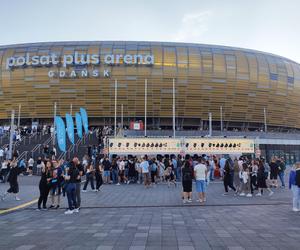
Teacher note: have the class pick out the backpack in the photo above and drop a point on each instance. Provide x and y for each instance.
(298, 178)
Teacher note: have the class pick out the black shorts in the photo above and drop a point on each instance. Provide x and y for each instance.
(273, 176)
(187, 186)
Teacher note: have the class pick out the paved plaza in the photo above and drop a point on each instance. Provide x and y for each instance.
(135, 218)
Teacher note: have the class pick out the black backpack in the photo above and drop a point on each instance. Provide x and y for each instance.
(298, 178)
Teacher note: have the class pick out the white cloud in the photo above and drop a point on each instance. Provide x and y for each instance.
(192, 27)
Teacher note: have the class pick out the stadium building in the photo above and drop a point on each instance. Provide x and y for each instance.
(251, 88)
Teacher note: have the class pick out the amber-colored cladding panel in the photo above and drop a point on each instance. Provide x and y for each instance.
(242, 81)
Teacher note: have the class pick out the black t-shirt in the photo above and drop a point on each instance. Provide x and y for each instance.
(73, 173)
(80, 168)
(274, 168)
(106, 165)
(187, 174)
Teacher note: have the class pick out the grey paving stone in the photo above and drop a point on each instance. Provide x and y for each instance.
(25, 247)
(105, 247)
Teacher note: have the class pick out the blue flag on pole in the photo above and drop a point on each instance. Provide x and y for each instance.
(78, 124)
(61, 133)
(70, 127)
(84, 117)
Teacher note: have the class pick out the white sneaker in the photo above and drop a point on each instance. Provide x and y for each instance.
(128, 182)
(190, 200)
(94, 190)
(69, 211)
(204, 199)
(271, 193)
(242, 194)
(76, 210)
(84, 191)
(17, 198)
(296, 209)
(118, 184)
(249, 195)
(258, 194)
(184, 201)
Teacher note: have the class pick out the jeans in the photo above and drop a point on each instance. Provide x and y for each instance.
(114, 174)
(71, 194)
(89, 178)
(77, 192)
(211, 173)
(178, 173)
(281, 177)
(296, 196)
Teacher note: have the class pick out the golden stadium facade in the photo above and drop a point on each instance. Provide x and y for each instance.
(83, 74)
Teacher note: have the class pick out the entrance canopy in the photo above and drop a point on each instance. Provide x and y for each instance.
(153, 146)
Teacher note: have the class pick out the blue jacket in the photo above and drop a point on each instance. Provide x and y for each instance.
(292, 178)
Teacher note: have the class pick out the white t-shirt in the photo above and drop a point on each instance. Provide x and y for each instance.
(1, 152)
(145, 167)
(121, 165)
(200, 170)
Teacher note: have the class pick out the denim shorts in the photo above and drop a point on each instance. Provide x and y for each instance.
(106, 173)
(200, 186)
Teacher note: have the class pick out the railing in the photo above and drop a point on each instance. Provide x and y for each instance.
(23, 155)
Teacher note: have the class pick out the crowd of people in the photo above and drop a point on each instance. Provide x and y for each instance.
(245, 176)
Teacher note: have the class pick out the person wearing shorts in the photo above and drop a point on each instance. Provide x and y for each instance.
(274, 169)
(200, 172)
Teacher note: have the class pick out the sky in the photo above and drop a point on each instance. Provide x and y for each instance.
(265, 25)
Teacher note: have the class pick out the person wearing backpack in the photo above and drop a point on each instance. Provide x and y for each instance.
(153, 171)
(294, 185)
(187, 182)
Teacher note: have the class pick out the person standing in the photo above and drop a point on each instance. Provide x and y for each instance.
(114, 171)
(71, 177)
(236, 176)
(13, 181)
(274, 169)
(78, 181)
(200, 172)
(282, 167)
(187, 182)
(145, 170)
(4, 170)
(106, 167)
(294, 185)
(44, 185)
(261, 180)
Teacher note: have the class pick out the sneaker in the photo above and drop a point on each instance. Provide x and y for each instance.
(38, 209)
(200, 200)
(83, 191)
(258, 194)
(118, 184)
(296, 209)
(184, 201)
(52, 206)
(271, 193)
(190, 200)
(76, 210)
(249, 195)
(225, 194)
(204, 199)
(44, 209)
(128, 182)
(242, 194)
(94, 190)
(17, 198)
(69, 211)
(57, 207)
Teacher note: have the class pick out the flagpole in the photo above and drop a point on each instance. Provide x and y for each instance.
(145, 129)
(221, 112)
(174, 108)
(54, 127)
(265, 119)
(115, 129)
(210, 123)
(12, 130)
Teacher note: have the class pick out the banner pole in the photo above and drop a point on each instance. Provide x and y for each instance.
(174, 108)
(146, 89)
(116, 93)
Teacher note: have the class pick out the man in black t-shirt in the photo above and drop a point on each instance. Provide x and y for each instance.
(80, 169)
(71, 178)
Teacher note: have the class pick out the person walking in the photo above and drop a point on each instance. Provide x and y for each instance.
(236, 176)
(261, 180)
(44, 185)
(98, 175)
(13, 181)
(187, 182)
(294, 185)
(90, 172)
(227, 178)
(200, 172)
(274, 169)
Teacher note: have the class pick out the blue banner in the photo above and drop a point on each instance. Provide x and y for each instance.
(60, 133)
(70, 128)
(84, 117)
(78, 124)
